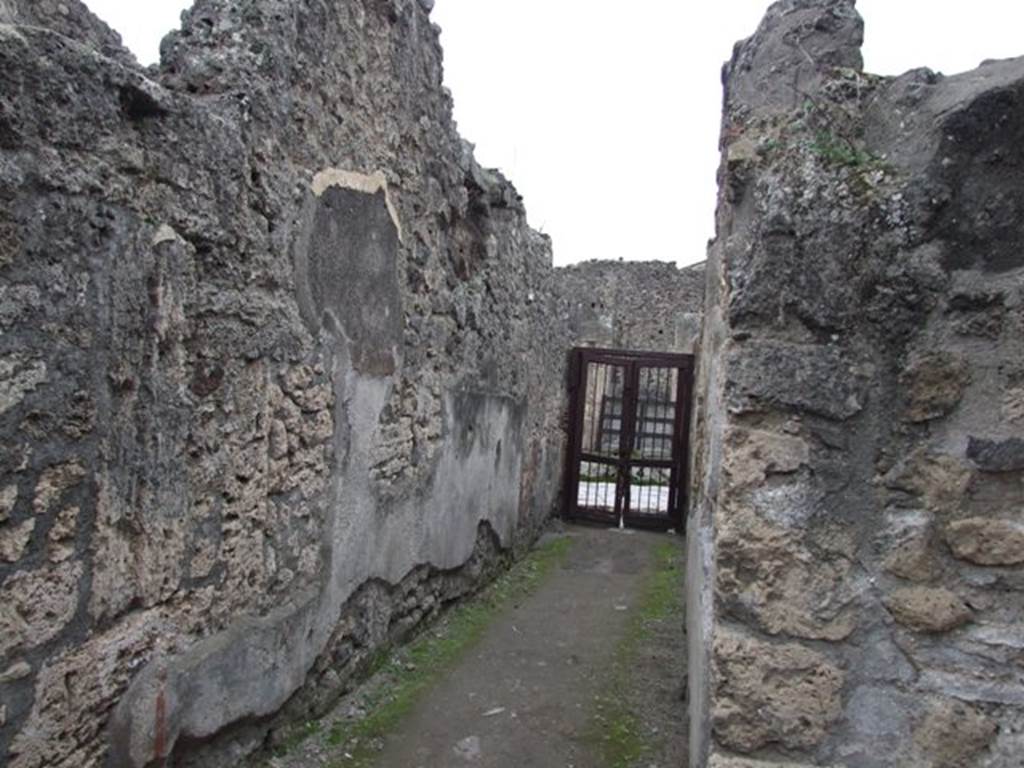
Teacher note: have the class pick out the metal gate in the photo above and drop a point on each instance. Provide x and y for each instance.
(629, 422)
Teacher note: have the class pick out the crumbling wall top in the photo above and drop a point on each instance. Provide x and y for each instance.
(790, 54)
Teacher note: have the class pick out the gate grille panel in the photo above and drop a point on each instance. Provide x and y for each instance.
(629, 414)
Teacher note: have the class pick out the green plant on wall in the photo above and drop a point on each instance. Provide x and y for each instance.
(837, 150)
(833, 141)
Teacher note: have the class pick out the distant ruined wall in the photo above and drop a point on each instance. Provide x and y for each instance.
(857, 541)
(281, 371)
(644, 305)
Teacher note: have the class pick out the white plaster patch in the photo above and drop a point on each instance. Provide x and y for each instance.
(905, 521)
(790, 505)
(360, 182)
(165, 234)
(9, 32)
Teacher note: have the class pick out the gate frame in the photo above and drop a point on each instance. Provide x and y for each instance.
(631, 361)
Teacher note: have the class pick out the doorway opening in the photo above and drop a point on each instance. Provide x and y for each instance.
(629, 422)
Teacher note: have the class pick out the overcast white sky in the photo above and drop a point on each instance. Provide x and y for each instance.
(605, 114)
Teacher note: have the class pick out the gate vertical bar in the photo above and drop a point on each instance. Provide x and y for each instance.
(680, 454)
(627, 437)
(577, 391)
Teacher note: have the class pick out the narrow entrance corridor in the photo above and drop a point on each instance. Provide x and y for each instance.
(585, 671)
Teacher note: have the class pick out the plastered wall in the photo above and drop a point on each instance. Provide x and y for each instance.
(280, 373)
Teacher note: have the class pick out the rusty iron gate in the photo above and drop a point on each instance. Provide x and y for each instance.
(629, 424)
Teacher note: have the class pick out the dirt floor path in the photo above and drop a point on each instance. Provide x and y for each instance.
(584, 670)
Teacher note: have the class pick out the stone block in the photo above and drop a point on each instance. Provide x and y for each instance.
(767, 573)
(764, 693)
(997, 455)
(927, 609)
(940, 481)
(910, 550)
(971, 684)
(816, 379)
(935, 384)
(952, 733)
(984, 541)
(755, 454)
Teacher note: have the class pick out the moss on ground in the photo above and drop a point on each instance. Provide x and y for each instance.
(615, 730)
(403, 675)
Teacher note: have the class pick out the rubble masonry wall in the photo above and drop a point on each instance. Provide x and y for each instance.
(856, 590)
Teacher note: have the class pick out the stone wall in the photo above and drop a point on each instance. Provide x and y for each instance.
(857, 543)
(280, 372)
(651, 306)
